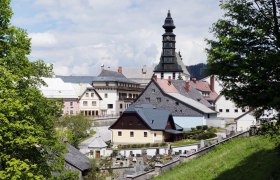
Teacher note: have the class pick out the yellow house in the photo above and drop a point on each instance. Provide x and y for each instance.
(143, 124)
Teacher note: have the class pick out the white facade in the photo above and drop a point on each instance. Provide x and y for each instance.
(245, 122)
(90, 103)
(227, 109)
(108, 105)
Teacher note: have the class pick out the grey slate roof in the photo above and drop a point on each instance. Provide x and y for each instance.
(193, 93)
(76, 158)
(192, 102)
(155, 118)
(97, 143)
(77, 79)
(112, 76)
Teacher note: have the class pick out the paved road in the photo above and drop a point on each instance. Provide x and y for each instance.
(102, 132)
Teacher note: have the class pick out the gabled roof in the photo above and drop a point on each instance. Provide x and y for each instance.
(204, 86)
(191, 102)
(193, 93)
(112, 76)
(154, 118)
(97, 143)
(76, 158)
(81, 89)
(56, 88)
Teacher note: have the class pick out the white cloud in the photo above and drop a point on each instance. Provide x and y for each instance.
(44, 39)
(79, 36)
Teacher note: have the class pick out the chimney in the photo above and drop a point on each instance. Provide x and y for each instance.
(187, 86)
(155, 77)
(212, 83)
(194, 80)
(169, 80)
(102, 67)
(120, 69)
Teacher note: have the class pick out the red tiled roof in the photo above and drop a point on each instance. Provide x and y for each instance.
(166, 87)
(204, 86)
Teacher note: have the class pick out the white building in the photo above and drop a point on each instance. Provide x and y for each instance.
(117, 92)
(245, 121)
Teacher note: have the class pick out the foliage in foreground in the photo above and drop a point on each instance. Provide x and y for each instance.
(73, 128)
(242, 158)
(246, 53)
(29, 148)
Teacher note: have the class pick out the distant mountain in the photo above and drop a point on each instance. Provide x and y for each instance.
(197, 71)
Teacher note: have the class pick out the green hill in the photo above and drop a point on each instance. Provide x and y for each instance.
(242, 158)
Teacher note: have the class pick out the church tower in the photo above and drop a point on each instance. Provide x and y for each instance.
(171, 64)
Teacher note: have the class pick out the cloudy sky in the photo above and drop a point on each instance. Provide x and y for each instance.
(78, 36)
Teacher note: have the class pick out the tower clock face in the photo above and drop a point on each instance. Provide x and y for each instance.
(168, 37)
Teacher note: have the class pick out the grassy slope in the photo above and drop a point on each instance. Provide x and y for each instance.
(242, 158)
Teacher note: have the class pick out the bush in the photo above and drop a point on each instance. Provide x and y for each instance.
(199, 127)
(206, 135)
(204, 127)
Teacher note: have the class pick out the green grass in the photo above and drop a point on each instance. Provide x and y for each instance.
(241, 158)
(184, 142)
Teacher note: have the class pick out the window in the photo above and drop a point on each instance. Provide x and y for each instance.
(208, 115)
(177, 103)
(93, 103)
(158, 99)
(161, 75)
(110, 106)
(153, 90)
(147, 99)
(86, 94)
(155, 134)
(119, 133)
(71, 103)
(121, 106)
(227, 98)
(71, 111)
(85, 103)
(236, 110)
(173, 76)
(107, 83)
(227, 110)
(131, 134)
(120, 113)
(145, 134)
(92, 94)
(220, 110)
(243, 110)
(106, 95)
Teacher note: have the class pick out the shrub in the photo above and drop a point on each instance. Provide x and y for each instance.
(205, 135)
(204, 127)
(199, 127)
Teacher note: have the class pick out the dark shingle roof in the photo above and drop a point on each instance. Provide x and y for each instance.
(155, 118)
(76, 158)
(112, 76)
(77, 79)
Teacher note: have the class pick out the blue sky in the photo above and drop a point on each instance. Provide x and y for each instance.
(78, 36)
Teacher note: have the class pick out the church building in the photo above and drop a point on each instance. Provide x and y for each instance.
(171, 65)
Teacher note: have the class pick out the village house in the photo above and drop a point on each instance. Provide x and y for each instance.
(141, 124)
(225, 107)
(89, 99)
(117, 92)
(57, 89)
(207, 90)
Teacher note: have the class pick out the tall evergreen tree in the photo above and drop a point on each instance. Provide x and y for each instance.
(246, 52)
(29, 148)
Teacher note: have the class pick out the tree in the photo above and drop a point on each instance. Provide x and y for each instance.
(29, 148)
(74, 128)
(246, 53)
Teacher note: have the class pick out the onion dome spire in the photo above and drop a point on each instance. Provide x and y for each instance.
(168, 23)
